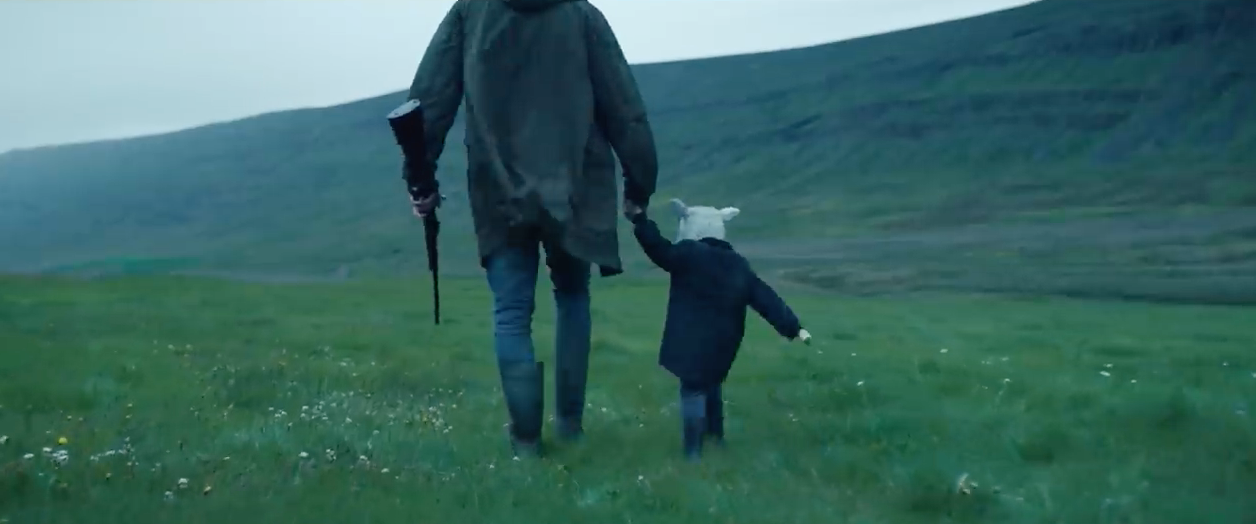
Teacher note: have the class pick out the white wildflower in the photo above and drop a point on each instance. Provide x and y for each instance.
(944, 350)
(964, 485)
(28, 456)
(183, 483)
(4, 439)
(303, 455)
(1105, 373)
(860, 383)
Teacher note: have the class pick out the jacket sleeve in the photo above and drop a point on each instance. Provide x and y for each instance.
(437, 83)
(620, 110)
(773, 309)
(666, 255)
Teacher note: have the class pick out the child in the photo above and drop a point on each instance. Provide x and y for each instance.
(711, 285)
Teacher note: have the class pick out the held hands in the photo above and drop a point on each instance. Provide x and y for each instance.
(804, 336)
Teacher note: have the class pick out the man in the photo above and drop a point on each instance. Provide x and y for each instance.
(548, 96)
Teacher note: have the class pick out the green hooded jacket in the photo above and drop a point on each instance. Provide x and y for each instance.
(550, 103)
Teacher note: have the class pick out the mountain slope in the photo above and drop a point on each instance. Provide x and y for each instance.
(1056, 110)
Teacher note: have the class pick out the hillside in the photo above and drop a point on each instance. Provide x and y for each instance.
(926, 146)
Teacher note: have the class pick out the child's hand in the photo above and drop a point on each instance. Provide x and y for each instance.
(804, 336)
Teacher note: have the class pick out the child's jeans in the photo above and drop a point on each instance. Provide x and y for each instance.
(702, 415)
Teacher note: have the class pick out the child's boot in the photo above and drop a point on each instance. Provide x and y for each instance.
(693, 415)
(715, 416)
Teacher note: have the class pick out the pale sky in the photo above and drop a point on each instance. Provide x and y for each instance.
(76, 70)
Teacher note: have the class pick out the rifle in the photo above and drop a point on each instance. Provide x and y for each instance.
(420, 177)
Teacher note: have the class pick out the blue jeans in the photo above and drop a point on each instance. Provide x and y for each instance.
(512, 275)
(706, 403)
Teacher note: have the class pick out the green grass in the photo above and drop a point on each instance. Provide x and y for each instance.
(1059, 411)
(1068, 147)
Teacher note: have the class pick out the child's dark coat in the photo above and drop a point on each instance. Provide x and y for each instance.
(711, 286)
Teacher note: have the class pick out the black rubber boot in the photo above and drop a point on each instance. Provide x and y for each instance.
(523, 384)
(570, 430)
(715, 416)
(570, 379)
(693, 416)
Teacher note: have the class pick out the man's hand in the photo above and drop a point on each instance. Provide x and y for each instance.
(631, 210)
(804, 336)
(426, 205)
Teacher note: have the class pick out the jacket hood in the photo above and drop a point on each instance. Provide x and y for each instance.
(534, 5)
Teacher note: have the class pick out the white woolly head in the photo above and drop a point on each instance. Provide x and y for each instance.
(699, 222)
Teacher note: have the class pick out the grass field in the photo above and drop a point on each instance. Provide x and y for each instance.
(1066, 148)
(342, 403)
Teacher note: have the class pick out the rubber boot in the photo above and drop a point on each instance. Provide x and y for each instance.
(569, 385)
(693, 416)
(523, 384)
(572, 344)
(715, 416)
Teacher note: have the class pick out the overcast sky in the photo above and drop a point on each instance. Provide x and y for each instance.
(75, 70)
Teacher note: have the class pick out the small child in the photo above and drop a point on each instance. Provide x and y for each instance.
(711, 286)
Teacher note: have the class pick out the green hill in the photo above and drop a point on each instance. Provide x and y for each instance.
(1067, 146)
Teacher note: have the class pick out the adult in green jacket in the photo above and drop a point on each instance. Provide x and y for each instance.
(550, 103)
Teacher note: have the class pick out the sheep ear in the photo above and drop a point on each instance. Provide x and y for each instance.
(729, 212)
(679, 207)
